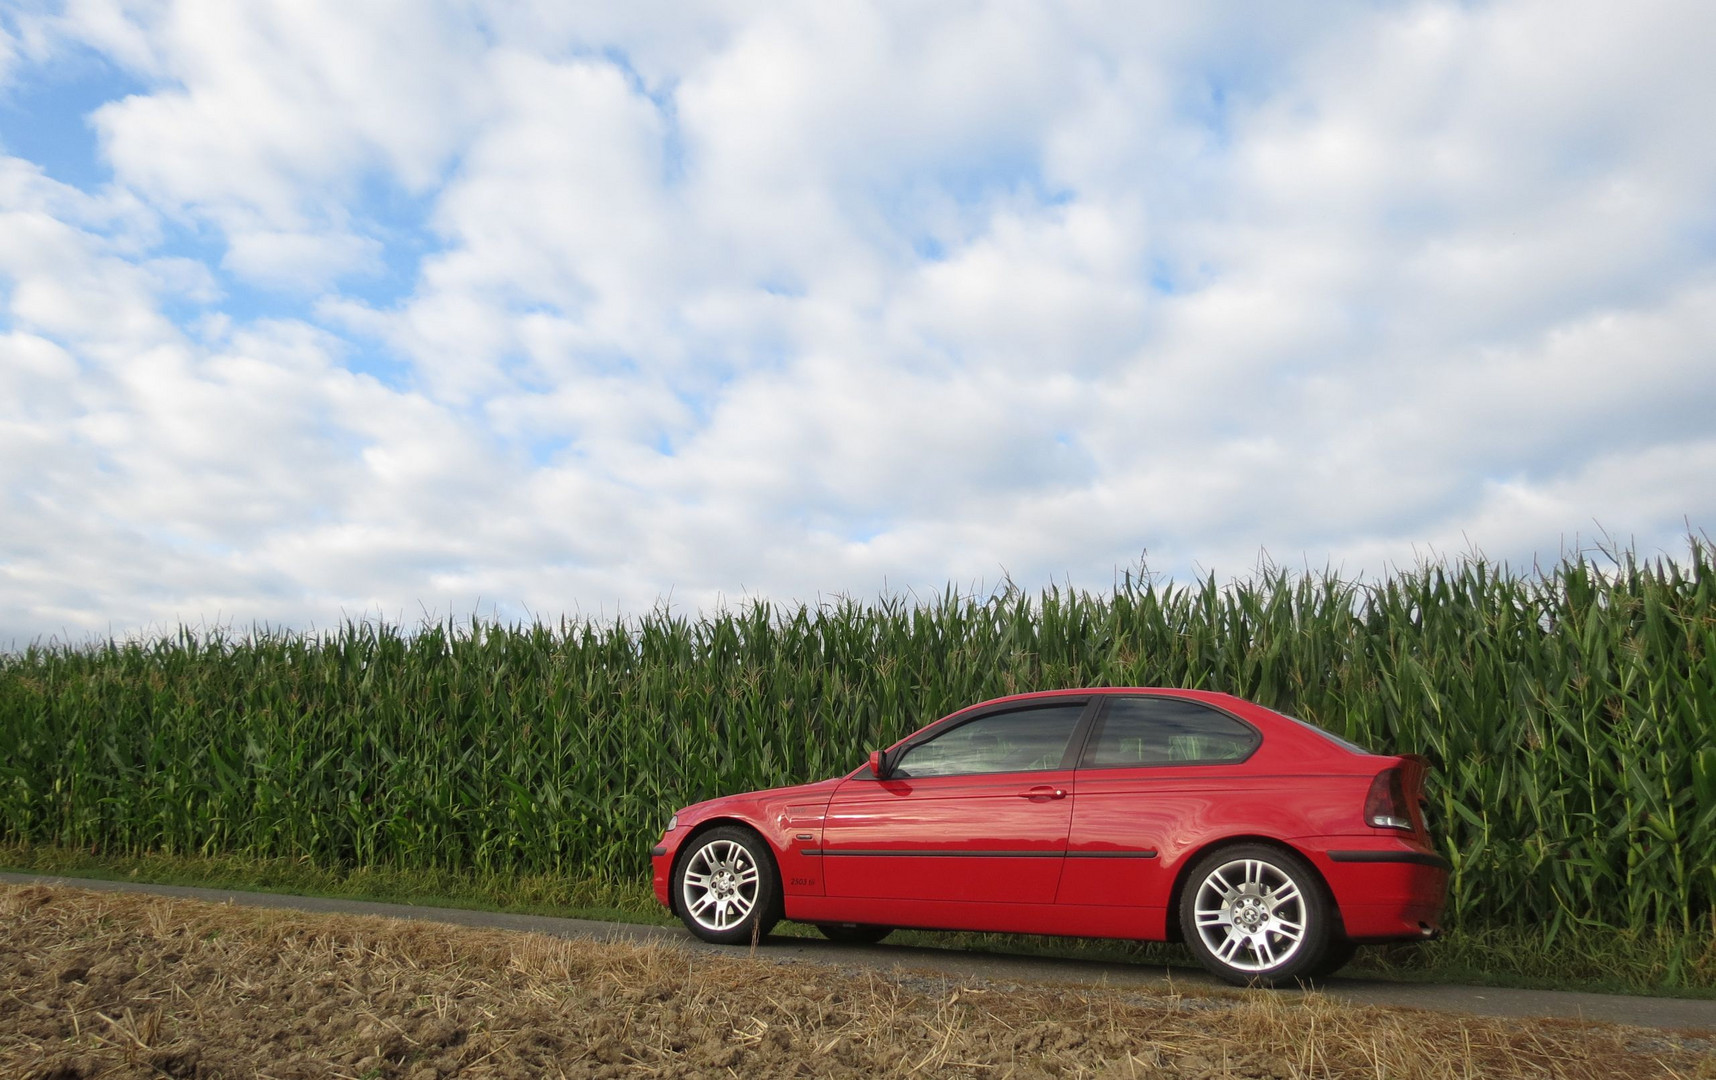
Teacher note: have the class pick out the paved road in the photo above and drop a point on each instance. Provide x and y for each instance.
(1672, 1013)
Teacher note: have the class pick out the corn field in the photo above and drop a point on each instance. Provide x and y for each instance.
(1568, 713)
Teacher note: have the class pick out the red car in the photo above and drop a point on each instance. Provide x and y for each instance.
(1269, 846)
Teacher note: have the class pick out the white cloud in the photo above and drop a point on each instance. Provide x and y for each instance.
(269, 117)
(8, 55)
(299, 260)
(791, 301)
(63, 283)
(557, 209)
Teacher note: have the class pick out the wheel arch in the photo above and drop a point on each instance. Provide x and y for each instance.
(686, 845)
(1192, 857)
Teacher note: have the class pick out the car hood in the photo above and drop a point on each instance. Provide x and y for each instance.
(819, 791)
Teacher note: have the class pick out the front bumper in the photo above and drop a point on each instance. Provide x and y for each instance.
(661, 864)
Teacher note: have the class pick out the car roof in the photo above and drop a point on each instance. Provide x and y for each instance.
(1306, 738)
(1087, 691)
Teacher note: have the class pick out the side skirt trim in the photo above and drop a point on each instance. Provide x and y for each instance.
(938, 853)
(1418, 858)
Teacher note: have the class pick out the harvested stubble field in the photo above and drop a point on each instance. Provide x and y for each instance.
(98, 984)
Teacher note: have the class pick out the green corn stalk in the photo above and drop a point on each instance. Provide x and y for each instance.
(1569, 714)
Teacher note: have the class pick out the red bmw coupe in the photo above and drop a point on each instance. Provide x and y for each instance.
(1270, 847)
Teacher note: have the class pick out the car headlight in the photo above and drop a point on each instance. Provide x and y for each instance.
(673, 823)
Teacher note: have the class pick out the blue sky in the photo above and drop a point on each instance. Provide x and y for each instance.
(311, 310)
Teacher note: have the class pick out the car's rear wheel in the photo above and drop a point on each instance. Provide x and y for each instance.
(851, 933)
(1255, 915)
(727, 888)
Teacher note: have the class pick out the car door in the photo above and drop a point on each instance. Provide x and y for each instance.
(1152, 770)
(973, 810)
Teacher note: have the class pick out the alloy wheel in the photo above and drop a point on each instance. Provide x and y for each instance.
(1250, 915)
(720, 884)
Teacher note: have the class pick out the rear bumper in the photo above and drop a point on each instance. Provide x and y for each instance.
(1386, 892)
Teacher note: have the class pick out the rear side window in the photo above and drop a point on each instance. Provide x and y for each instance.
(1329, 735)
(1167, 731)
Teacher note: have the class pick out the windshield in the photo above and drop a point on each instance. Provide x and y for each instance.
(1336, 739)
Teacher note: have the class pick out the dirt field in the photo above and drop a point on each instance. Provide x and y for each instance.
(101, 984)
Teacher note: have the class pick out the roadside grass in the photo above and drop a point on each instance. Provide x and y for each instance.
(1597, 960)
(125, 984)
(613, 900)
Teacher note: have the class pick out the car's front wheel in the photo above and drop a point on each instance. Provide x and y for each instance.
(727, 888)
(852, 933)
(1255, 915)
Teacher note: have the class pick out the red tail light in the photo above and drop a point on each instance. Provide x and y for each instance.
(1385, 807)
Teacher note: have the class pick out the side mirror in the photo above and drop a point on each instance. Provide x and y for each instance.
(877, 761)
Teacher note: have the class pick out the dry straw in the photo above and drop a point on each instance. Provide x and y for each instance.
(127, 985)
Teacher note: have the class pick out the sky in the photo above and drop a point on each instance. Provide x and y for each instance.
(314, 310)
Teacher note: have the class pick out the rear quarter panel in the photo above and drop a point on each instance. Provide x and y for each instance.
(1297, 789)
(1179, 812)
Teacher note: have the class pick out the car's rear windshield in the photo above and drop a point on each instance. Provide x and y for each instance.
(1336, 739)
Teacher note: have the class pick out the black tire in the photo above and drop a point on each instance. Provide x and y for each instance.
(715, 892)
(851, 933)
(1253, 899)
(1339, 954)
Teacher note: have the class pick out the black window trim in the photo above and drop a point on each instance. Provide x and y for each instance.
(1100, 720)
(1069, 757)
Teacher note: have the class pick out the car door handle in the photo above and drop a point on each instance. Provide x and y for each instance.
(1043, 791)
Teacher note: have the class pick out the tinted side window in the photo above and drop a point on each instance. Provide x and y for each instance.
(1167, 731)
(1025, 740)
